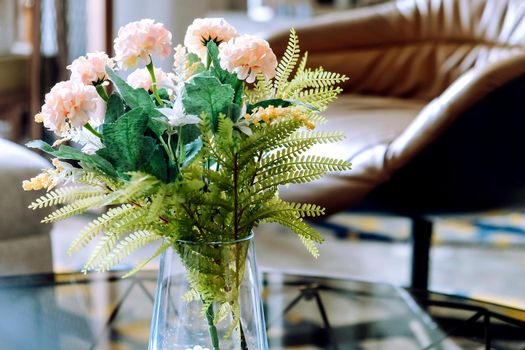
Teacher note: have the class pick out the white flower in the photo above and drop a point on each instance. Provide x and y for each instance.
(91, 144)
(141, 78)
(138, 40)
(177, 115)
(197, 347)
(71, 104)
(91, 68)
(247, 56)
(203, 30)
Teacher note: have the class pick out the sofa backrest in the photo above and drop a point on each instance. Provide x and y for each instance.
(413, 48)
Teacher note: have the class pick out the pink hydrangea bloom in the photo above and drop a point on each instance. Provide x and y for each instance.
(138, 40)
(247, 56)
(91, 68)
(71, 104)
(204, 29)
(141, 78)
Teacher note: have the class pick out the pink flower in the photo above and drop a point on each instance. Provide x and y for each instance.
(71, 104)
(203, 30)
(142, 79)
(247, 56)
(139, 40)
(91, 69)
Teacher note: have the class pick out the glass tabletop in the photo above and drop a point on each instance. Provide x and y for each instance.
(104, 311)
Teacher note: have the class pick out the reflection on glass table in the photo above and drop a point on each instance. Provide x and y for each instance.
(103, 311)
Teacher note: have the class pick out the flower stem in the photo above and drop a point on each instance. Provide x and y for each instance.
(168, 151)
(102, 92)
(154, 82)
(92, 130)
(211, 328)
(244, 345)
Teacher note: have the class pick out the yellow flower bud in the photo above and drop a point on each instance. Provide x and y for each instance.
(27, 185)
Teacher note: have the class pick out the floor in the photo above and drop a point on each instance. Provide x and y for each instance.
(479, 271)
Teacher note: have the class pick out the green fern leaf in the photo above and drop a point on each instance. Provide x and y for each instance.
(292, 177)
(157, 205)
(191, 295)
(168, 242)
(125, 247)
(98, 225)
(310, 246)
(265, 139)
(76, 208)
(262, 90)
(65, 195)
(288, 62)
(319, 97)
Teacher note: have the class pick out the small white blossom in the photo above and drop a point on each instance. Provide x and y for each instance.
(176, 115)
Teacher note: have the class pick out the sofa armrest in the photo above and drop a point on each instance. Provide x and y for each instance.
(457, 100)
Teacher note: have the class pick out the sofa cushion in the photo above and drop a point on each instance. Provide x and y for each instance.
(370, 124)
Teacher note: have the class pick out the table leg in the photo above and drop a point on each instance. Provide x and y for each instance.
(421, 242)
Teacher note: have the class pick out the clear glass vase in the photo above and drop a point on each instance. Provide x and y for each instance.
(208, 295)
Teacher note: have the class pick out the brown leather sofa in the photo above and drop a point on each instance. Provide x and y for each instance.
(434, 110)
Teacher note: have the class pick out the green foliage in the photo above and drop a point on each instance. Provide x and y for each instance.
(223, 75)
(122, 249)
(134, 98)
(207, 95)
(314, 89)
(65, 195)
(263, 90)
(99, 225)
(126, 146)
(114, 109)
(77, 207)
(288, 62)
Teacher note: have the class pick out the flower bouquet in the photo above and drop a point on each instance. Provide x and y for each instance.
(192, 158)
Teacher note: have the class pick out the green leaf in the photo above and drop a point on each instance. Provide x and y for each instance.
(233, 112)
(148, 148)
(192, 59)
(276, 102)
(157, 122)
(157, 165)
(192, 149)
(125, 142)
(41, 145)
(189, 133)
(163, 94)
(133, 97)
(223, 75)
(213, 54)
(144, 99)
(207, 95)
(115, 108)
(70, 153)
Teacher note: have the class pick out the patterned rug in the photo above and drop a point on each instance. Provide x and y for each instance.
(500, 229)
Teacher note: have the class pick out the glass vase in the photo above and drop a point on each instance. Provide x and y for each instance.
(208, 296)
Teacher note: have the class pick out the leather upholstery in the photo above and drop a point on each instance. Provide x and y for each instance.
(441, 59)
(427, 43)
